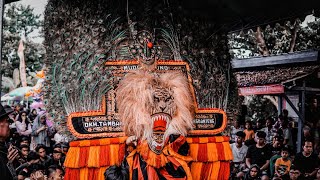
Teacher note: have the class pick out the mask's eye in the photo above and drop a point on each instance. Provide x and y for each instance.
(156, 98)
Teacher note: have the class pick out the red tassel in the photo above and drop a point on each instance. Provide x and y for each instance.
(72, 174)
(83, 160)
(224, 172)
(202, 153)
(220, 151)
(122, 151)
(104, 155)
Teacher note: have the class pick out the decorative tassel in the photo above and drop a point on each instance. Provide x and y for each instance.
(72, 159)
(94, 156)
(84, 153)
(212, 152)
(220, 151)
(114, 152)
(215, 170)
(84, 174)
(224, 172)
(202, 153)
(195, 170)
(104, 156)
(227, 151)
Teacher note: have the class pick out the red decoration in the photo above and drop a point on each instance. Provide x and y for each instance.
(150, 45)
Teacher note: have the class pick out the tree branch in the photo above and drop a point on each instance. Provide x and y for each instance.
(294, 35)
(262, 47)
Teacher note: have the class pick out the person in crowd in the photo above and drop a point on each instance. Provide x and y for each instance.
(65, 148)
(234, 129)
(294, 173)
(269, 130)
(55, 173)
(7, 155)
(22, 175)
(44, 158)
(56, 158)
(41, 131)
(249, 131)
(286, 133)
(259, 154)
(276, 152)
(23, 124)
(239, 151)
(253, 173)
(24, 141)
(33, 158)
(58, 136)
(33, 114)
(283, 164)
(24, 153)
(258, 125)
(307, 161)
(37, 172)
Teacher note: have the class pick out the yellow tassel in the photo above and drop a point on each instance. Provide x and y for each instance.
(212, 152)
(114, 151)
(101, 172)
(85, 143)
(94, 156)
(215, 170)
(227, 151)
(72, 159)
(84, 174)
(194, 151)
(196, 170)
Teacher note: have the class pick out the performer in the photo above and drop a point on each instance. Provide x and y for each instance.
(156, 113)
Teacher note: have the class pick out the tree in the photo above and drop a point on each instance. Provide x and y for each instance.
(20, 21)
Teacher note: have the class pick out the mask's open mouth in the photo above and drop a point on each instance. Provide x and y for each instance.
(160, 125)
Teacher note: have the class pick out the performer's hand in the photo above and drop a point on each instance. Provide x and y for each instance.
(132, 141)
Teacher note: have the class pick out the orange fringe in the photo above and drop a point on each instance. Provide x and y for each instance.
(210, 149)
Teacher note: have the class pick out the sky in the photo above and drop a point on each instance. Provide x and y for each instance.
(39, 7)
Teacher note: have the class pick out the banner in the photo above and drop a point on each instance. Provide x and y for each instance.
(22, 67)
(267, 89)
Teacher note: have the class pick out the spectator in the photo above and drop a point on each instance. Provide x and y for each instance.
(37, 172)
(24, 141)
(283, 164)
(259, 154)
(33, 114)
(239, 151)
(55, 173)
(294, 173)
(306, 161)
(269, 130)
(253, 173)
(24, 153)
(44, 158)
(286, 133)
(59, 138)
(22, 175)
(248, 131)
(7, 155)
(41, 131)
(258, 126)
(56, 158)
(23, 124)
(276, 152)
(33, 158)
(318, 174)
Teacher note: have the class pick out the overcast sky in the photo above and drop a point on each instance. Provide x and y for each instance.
(39, 7)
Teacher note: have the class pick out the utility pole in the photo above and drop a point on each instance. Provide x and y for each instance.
(2, 2)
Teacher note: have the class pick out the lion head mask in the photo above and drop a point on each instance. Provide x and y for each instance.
(152, 106)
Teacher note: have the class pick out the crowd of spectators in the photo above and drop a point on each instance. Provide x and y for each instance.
(34, 149)
(266, 149)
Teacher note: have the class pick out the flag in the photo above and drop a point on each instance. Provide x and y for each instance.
(22, 67)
